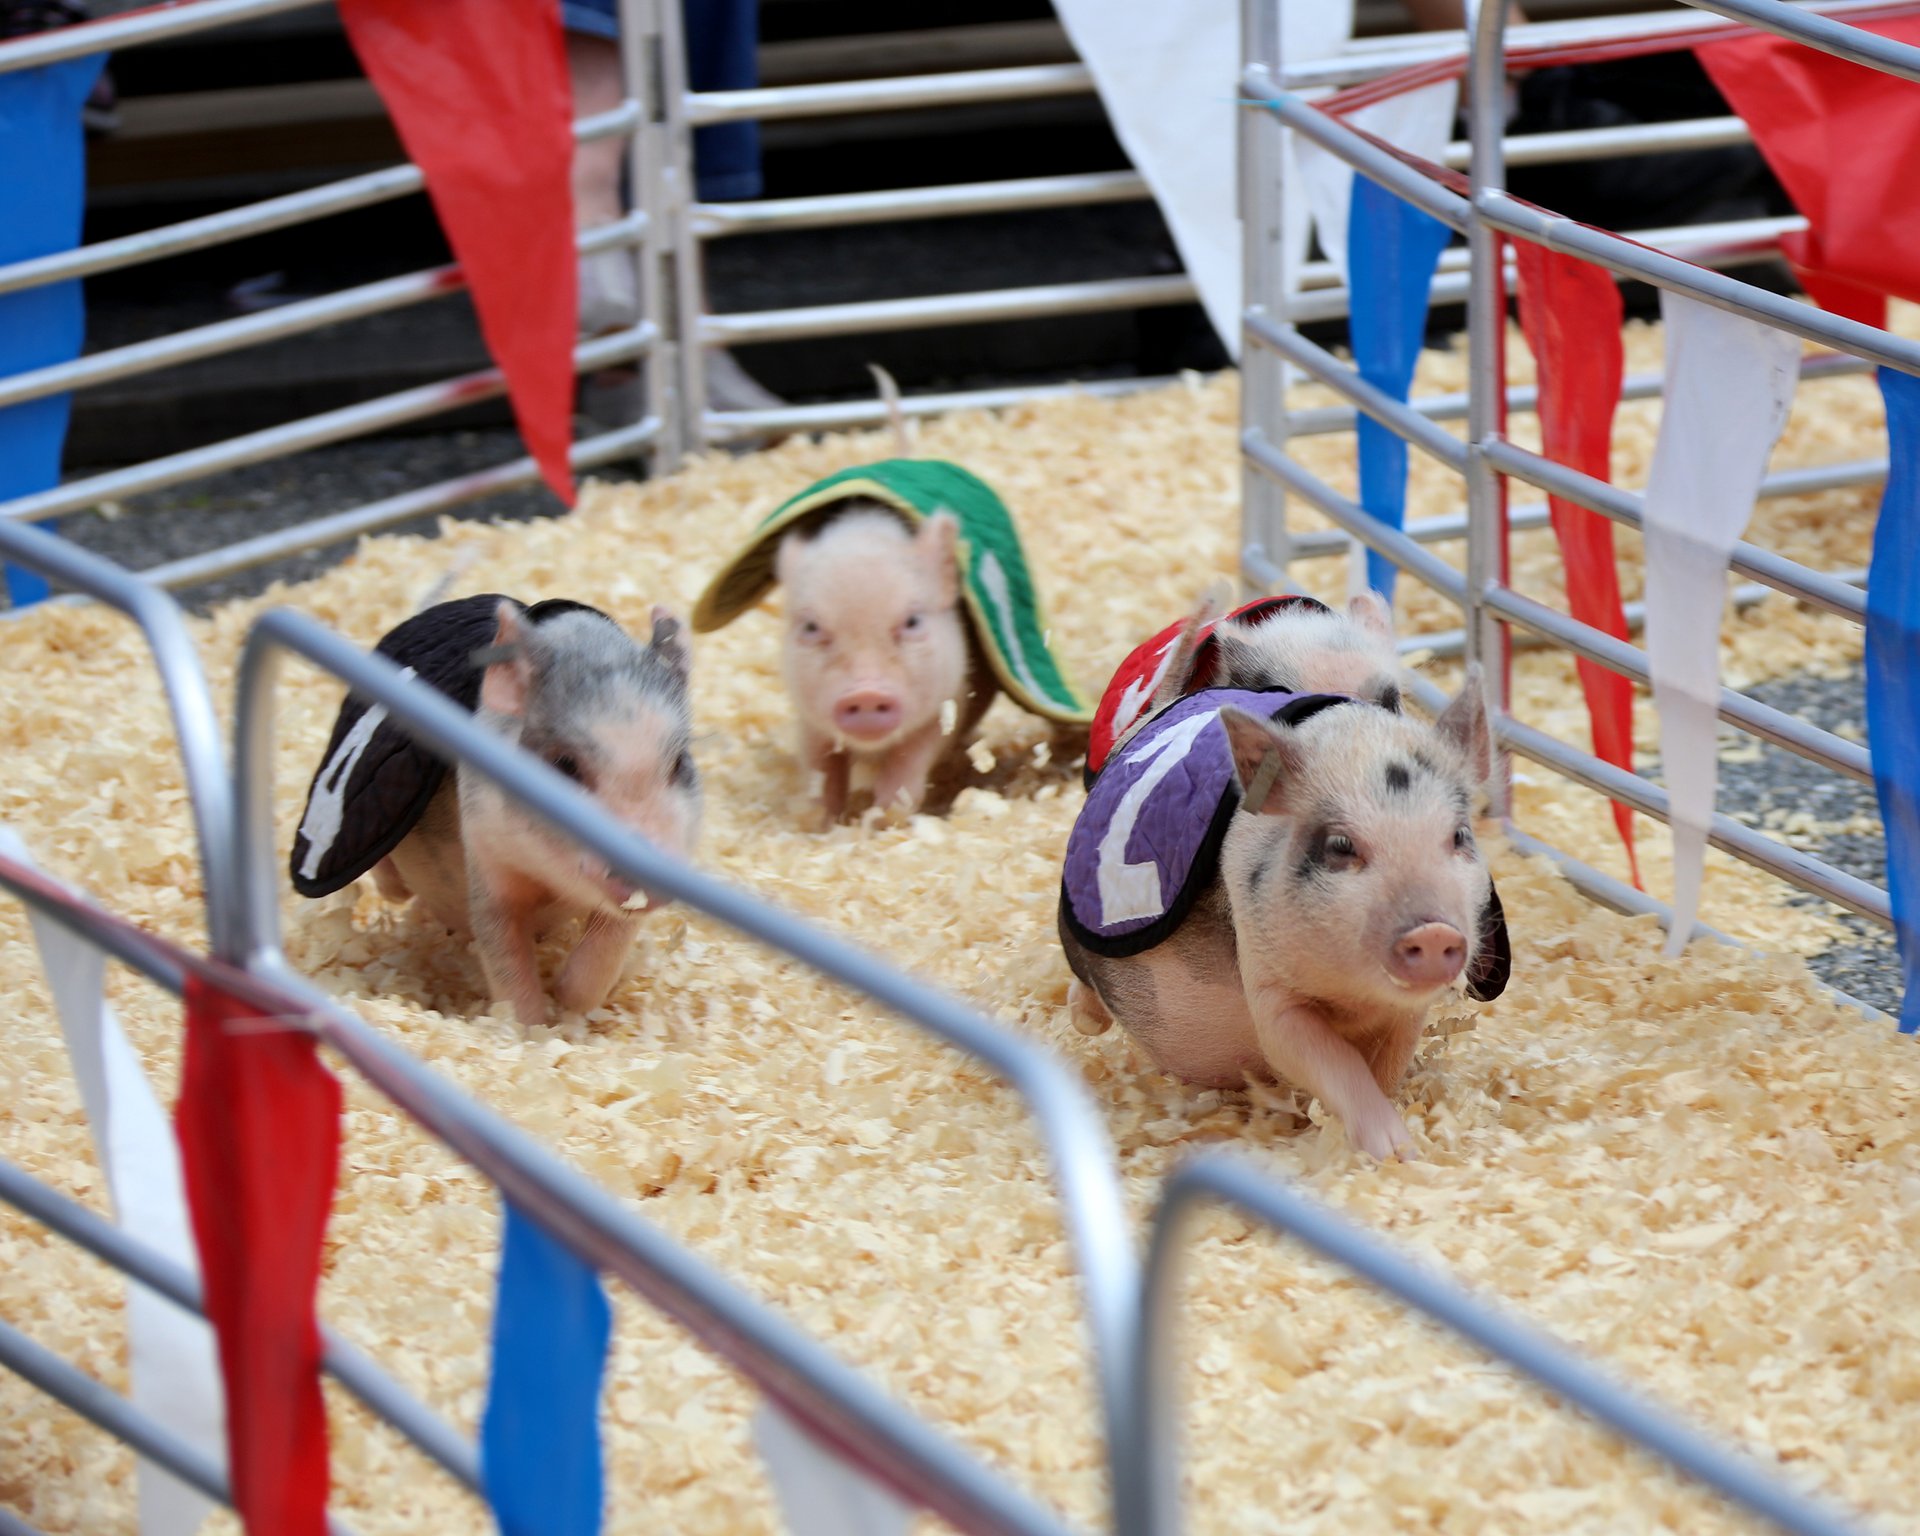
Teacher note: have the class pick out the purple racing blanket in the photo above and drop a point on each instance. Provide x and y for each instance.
(1147, 842)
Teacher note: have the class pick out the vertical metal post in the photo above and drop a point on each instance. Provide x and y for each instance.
(1487, 638)
(676, 189)
(1266, 282)
(640, 49)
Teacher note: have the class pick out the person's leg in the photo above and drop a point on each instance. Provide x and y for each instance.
(722, 42)
(722, 55)
(609, 295)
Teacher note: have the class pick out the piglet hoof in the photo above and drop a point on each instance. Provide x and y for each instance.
(1384, 1139)
(1084, 1007)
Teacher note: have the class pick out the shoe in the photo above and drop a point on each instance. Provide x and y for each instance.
(609, 293)
(731, 388)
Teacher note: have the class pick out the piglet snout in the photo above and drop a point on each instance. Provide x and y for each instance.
(868, 714)
(1431, 955)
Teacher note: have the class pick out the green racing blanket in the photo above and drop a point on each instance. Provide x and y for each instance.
(998, 589)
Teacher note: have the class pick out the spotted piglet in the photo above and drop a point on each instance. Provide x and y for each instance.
(1283, 884)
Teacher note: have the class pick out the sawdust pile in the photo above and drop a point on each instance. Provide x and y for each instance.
(1699, 1170)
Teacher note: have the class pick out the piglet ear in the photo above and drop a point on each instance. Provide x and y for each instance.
(1493, 955)
(938, 542)
(669, 643)
(1265, 758)
(509, 677)
(787, 558)
(1370, 611)
(1464, 723)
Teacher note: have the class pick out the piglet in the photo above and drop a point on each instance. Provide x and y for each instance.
(1309, 651)
(884, 670)
(613, 716)
(1306, 933)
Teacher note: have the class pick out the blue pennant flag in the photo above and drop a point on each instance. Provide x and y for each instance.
(42, 195)
(1893, 672)
(1392, 250)
(540, 1433)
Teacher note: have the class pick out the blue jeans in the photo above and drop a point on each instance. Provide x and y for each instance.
(721, 37)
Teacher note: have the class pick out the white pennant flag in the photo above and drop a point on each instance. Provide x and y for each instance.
(174, 1370)
(1728, 387)
(1168, 76)
(819, 1494)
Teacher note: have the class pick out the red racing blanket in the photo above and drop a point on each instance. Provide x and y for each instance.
(1136, 678)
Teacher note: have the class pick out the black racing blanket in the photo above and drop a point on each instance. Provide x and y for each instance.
(375, 781)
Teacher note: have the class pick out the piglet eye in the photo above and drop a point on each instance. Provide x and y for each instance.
(1462, 838)
(567, 765)
(683, 768)
(911, 623)
(1340, 846)
(809, 630)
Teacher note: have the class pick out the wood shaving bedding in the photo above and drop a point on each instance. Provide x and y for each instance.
(1700, 1170)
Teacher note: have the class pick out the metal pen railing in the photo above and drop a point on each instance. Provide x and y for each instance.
(1227, 1179)
(1491, 609)
(655, 433)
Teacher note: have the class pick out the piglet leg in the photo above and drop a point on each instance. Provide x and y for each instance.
(1085, 1007)
(595, 964)
(1307, 1051)
(901, 783)
(503, 925)
(392, 883)
(820, 754)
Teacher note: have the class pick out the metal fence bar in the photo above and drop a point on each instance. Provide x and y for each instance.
(279, 323)
(231, 224)
(372, 516)
(1761, 565)
(100, 1405)
(714, 221)
(308, 432)
(1263, 151)
(1315, 421)
(354, 1370)
(1729, 836)
(737, 426)
(12, 1525)
(1412, 558)
(1334, 136)
(152, 24)
(1080, 1155)
(1370, 58)
(1535, 514)
(1487, 640)
(857, 319)
(1451, 642)
(1729, 243)
(774, 103)
(1606, 143)
(1227, 1177)
(203, 764)
(1750, 715)
(1902, 60)
(1320, 364)
(650, 190)
(1622, 256)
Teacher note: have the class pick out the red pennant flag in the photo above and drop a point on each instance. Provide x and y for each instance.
(1571, 313)
(479, 92)
(259, 1127)
(1844, 141)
